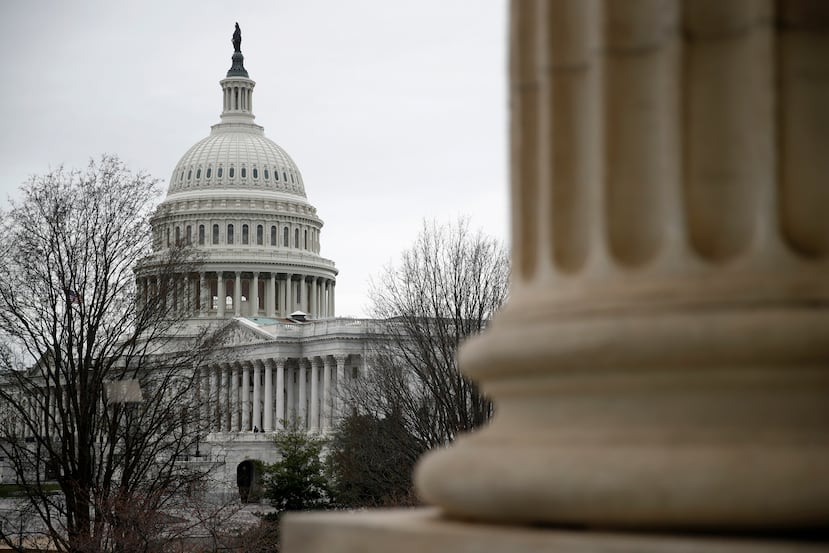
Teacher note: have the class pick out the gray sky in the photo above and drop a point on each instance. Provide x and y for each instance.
(394, 110)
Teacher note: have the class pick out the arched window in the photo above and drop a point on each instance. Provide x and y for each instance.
(198, 173)
(244, 172)
(181, 177)
(273, 235)
(306, 238)
(296, 238)
(266, 174)
(284, 176)
(276, 174)
(189, 174)
(209, 170)
(189, 235)
(201, 235)
(219, 172)
(229, 234)
(292, 178)
(245, 235)
(255, 173)
(215, 234)
(285, 237)
(178, 236)
(230, 172)
(260, 238)
(168, 237)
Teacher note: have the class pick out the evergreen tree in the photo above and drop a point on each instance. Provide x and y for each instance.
(297, 482)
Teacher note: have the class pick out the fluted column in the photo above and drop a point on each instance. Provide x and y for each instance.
(333, 286)
(237, 295)
(280, 393)
(287, 305)
(314, 426)
(224, 398)
(214, 399)
(662, 359)
(326, 394)
(254, 294)
(339, 361)
(303, 294)
(245, 397)
(302, 395)
(222, 295)
(290, 395)
(312, 308)
(270, 308)
(204, 300)
(234, 398)
(267, 409)
(257, 394)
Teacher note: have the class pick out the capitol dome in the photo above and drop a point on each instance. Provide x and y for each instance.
(238, 199)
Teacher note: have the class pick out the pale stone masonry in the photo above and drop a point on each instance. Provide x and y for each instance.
(662, 365)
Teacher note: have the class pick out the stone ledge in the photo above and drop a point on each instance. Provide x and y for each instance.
(423, 531)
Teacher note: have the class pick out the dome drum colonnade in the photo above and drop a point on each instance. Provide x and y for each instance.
(239, 200)
(265, 394)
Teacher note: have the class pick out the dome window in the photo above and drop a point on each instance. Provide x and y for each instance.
(201, 235)
(215, 234)
(178, 236)
(230, 173)
(306, 239)
(260, 238)
(255, 173)
(296, 238)
(292, 178)
(189, 174)
(188, 235)
(219, 172)
(285, 237)
(230, 232)
(276, 174)
(284, 176)
(266, 174)
(209, 170)
(273, 235)
(198, 173)
(245, 233)
(244, 173)
(181, 177)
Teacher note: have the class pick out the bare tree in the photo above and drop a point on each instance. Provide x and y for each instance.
(94, 394)
(445, 288)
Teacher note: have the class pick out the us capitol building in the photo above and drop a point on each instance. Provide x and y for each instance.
(240, 199)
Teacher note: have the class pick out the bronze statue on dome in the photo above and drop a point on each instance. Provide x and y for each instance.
(237, 39)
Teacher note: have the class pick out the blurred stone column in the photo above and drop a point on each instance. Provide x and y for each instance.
(663, 360)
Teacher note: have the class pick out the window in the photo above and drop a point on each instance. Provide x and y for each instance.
(306, 239)
(209, 170)
(189, 235)
(266, 174)
(260, 238)
(284, 176)
(255, 173)
(189, 174)
(181, 177)
(201, 235)
(230, 173)
(219, 172)
(244, 172)
(276, 174)
(168, 237)
(273, 235)
(292, 178)
(296, 238)
(230, 233)
(198, 173)
(285, 237)
(215, 234)
(178, 236)
(245, 235)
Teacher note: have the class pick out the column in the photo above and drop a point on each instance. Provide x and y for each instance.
(205, 397)
(224, 414)
(234, 398)
(326, 394)
(270, 308)
(280, 393)
(245, 397)
(291, 382)
(204, 304)
(257, 391)
(237, 295)
(287, 304)
(312, 308)
(254, 295)
(660, 362)
(186, 303)
(315, 396)
(214, 399)
(302, 399)
(267, 423)
(333, 286)
(339, 361)
(220, 292)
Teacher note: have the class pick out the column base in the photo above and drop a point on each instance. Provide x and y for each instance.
(424, 531)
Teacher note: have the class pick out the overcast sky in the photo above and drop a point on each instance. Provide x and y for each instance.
(395, 111)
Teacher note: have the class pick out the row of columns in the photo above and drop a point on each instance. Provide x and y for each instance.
(282, 293)
(261, 395)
